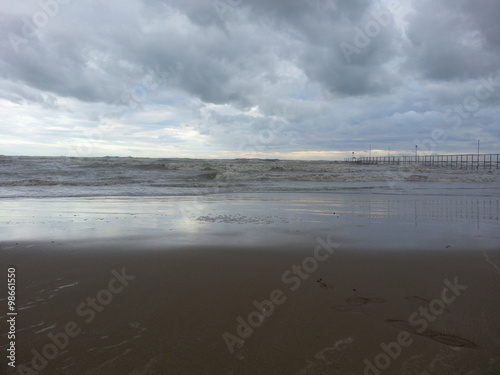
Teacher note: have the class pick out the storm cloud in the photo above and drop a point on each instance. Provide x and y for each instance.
(241, 78)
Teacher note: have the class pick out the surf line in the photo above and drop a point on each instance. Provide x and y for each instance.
(293, 277)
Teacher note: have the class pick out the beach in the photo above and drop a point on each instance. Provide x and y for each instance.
(254, 283)
(232, 187)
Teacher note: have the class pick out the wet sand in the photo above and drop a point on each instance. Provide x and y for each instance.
(189, 296)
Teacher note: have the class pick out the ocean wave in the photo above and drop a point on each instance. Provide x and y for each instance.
(353, 177)
(60, 176)
(37, 182)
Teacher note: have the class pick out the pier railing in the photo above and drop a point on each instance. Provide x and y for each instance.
(463, 161)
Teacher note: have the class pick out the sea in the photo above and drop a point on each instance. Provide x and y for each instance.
(48, 177)
(60, 197)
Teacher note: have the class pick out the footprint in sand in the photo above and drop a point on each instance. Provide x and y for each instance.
(321, 283)
(442, 338)
(355, 303)
(364, 300)
(422, 301)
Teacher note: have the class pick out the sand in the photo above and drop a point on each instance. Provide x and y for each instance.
(179, 286)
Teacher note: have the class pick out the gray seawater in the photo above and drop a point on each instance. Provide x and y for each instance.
(33, 177)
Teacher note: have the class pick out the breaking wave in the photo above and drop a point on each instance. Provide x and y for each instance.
(59, 176)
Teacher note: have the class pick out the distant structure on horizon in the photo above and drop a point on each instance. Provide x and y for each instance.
(460, 161)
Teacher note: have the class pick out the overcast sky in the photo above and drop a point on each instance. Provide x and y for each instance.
(309, 79)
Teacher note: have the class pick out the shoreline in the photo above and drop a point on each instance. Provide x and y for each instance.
(255, 284)
(357, 221)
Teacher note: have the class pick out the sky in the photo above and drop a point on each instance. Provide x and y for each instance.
(287, 79)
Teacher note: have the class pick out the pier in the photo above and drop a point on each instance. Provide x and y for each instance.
(462, 161)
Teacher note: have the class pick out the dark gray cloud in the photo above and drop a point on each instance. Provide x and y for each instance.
(269, 76)
(453, 40)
